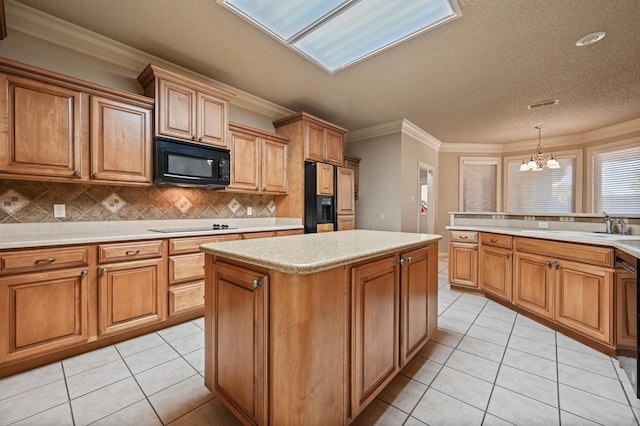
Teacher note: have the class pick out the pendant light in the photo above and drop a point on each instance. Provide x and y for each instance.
(539, 160)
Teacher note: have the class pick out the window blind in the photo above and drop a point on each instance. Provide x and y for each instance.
(546, 191)
(479, 186)
(616, 181)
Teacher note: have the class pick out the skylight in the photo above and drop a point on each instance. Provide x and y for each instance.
(335, 34)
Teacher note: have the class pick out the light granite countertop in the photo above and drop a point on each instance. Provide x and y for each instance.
(24, 235)
(310, 253)
(627, 243)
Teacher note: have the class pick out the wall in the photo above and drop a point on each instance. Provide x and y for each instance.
(32, 202)
(414, 152)
(379, 200)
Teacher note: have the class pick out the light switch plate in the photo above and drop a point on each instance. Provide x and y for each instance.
(249, 211)
(59, 210)
(543, 224)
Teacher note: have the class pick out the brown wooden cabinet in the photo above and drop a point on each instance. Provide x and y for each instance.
(533, 286)
(324, 179)
(239, 335)
(323, 144)
(187, 108)
(415, 307)
(346, 223)
(121, 142)
(132, 285)
(345, 198)
(44, 304)
(463, 259)
(495, 265)
(259, 160)
(353, 163)
(44, 137)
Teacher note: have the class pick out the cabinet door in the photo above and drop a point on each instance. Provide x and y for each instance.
(345, 191)
(415, 291)
(239, 318)
(44, 134)
(584, 299)
(131, 294)
(346, 223)
(274, 166)
(626, 310)
(43, 312)
(314, 142)
(463, 264)
(176, 110)
(495, 271)
(324, 179)
(212, 120)
(121, 142)
(376, 324)
(354, 163)
(533, 284)
(245, 161)
(334, 148)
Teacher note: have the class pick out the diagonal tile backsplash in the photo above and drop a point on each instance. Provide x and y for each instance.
(28, 202)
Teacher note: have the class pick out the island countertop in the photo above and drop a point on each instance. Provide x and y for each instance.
(310, 253)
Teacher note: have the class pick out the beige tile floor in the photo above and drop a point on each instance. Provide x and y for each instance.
(487, 365)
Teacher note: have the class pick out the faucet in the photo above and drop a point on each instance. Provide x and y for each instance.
(623, 226)
(608, 223)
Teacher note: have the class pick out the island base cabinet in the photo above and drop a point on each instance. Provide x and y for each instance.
(237, 325)
(533, 284)
(626, 310)
(43, 312)
(584, 299)
(376, 322)
(495, 272)
(415, 309)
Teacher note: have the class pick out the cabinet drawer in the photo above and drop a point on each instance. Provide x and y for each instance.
(129, 251)
(186, 296)
(464, 236)
(192, 244)
(286, 232)
(594, 255)
(264, 234)
(33, 260)
(497, 240)
(187, 267)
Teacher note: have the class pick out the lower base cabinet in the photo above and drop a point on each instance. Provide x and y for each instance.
(43, 312)
(463, 264)
(626, 310)
(533, 284)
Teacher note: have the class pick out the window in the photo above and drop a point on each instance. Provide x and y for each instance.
(545, 191)
(479, 179)
(615, 177)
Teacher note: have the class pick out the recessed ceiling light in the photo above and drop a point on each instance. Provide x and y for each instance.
(337, 33)
(590, 38)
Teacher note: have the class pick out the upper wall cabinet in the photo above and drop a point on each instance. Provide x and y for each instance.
(57, 128)
(187, 109)
(323, 141)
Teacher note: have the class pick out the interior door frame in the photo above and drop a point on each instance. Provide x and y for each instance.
(431, 171)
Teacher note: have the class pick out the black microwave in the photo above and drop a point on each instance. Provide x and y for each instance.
(189, 164)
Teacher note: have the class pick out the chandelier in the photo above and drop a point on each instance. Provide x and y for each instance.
(539, 161)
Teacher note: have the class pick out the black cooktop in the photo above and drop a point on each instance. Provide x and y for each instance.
(214, 227)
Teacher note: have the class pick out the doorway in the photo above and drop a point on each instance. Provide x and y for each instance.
(426, 197)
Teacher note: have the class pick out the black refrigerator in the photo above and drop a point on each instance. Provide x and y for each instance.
(319, 198)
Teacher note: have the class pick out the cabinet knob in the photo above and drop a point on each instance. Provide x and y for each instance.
(556, 264)
(264, 189)
(548, 263)
(193, 137)
(84, 273)
(257, 283)
(76, 173)
(200, 139)
(507, 254)
(401, 261)
(475, 248)
(257, 188)
(103, 270)
(96, 174)
(409, 259)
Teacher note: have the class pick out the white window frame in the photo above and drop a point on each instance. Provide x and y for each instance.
(591, 152)
(497, 161)
(577, 189)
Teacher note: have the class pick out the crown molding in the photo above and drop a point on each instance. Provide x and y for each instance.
(416, 132)
(43, 26)
(473, 148)
(615, 130)
(397, 126)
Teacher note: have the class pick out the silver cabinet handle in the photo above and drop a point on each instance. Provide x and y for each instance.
(193, 137)
(103, 270)
(548, 263)
(132, 252)
(84, 273)
(96, 174)
(76, 173)
(556, 264)
(48, 260)
(200, 139)
(507, 255)
(401, 261)
(409, 259)
(257, 283)
(463, 237)
(475, 248)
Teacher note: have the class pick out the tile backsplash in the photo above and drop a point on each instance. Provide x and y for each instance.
(30, 202)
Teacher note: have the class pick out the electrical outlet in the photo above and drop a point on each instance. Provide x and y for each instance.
(249, 211)
(59, 210)
(543, 224)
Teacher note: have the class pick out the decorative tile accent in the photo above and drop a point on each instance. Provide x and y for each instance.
(183, 204)
(234, 205)
(30, 202)
(12, 201)
(113, 203)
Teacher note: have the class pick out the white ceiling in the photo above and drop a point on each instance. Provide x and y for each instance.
(466, 82)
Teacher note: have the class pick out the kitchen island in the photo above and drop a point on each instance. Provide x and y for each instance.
(308, 329)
